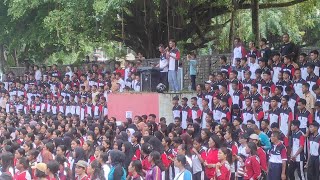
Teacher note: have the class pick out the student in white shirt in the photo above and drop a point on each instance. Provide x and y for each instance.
(37, 74)
(253, 66)
(136, 84)
(184, 174)
(121, 82)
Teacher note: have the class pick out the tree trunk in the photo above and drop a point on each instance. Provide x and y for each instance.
(2, 58)
(255, 20)
(231, 31)
(15, 58)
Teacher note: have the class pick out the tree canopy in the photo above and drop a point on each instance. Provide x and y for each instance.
(46, 31)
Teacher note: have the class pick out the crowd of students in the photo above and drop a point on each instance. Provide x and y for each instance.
(257, 119)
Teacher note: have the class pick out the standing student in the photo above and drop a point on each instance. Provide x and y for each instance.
(252, 169)
(303, 115)
(22, 167)
(185, 112)
(195, 109)
(223, 169)
(199, 154)
(297, 155)
(313, 152)
(95, 171)
(40, 171)
(277, 159)
(135, 168)
(155, 161)
(239, 51)
(265, 51)
(117, 171)
(261, 154)
(233, 146)
(176, 109)
(174, 56)
(205, 112)
(81, 167)
(163, 65)
(212, 157)
(184, 174)
(192, 69)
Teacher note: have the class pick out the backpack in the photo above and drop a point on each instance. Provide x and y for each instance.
(110, 176)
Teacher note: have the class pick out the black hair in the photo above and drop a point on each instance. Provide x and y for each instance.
(216, 140)
(274, 125)
(29, 144)
(306, 85)
(7, 161)
(137, 165)
(303, 101)
(53, 166)
(228, 154)
(21, 151)
(156, 144)
(117, 157)
(146, 148)
(24, 161)
(40, 174)
(253, 148)
(156, 157)
(167, 140)
(31, 136)
(276, 134)
(251, 121)
(296, 123)
(129, 153)
(182, 159)
(50, 146)
(98, 172)
(314, 52)
(104, 156)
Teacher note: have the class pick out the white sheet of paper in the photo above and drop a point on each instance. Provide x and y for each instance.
(128, 114)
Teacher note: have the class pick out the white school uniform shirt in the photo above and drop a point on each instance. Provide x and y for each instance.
(136, 85)
(253, 68)
(122, 84)
(236, 54)
(126, 73)
(38, 75)
(317, 118)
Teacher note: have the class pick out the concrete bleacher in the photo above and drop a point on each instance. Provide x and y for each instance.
(206, 65)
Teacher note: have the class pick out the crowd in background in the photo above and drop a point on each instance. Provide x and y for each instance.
(257, 118)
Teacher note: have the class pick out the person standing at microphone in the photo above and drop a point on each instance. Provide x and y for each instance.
(174, 56)
(163, 65)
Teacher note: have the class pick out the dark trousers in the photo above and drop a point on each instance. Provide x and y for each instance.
(275, 170)
(193, 82)
(313, 168)
(164, 79)
(293, 166)
(198, 176)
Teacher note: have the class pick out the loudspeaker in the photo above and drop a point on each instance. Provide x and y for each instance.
(149, 80)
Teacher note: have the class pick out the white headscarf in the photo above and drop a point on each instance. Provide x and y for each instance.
(70, 73)
(131, 132)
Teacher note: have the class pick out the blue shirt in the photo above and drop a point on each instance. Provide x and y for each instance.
(193, 67)
(265, 141)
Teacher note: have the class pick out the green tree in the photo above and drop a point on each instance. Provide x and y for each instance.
(68, 30)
